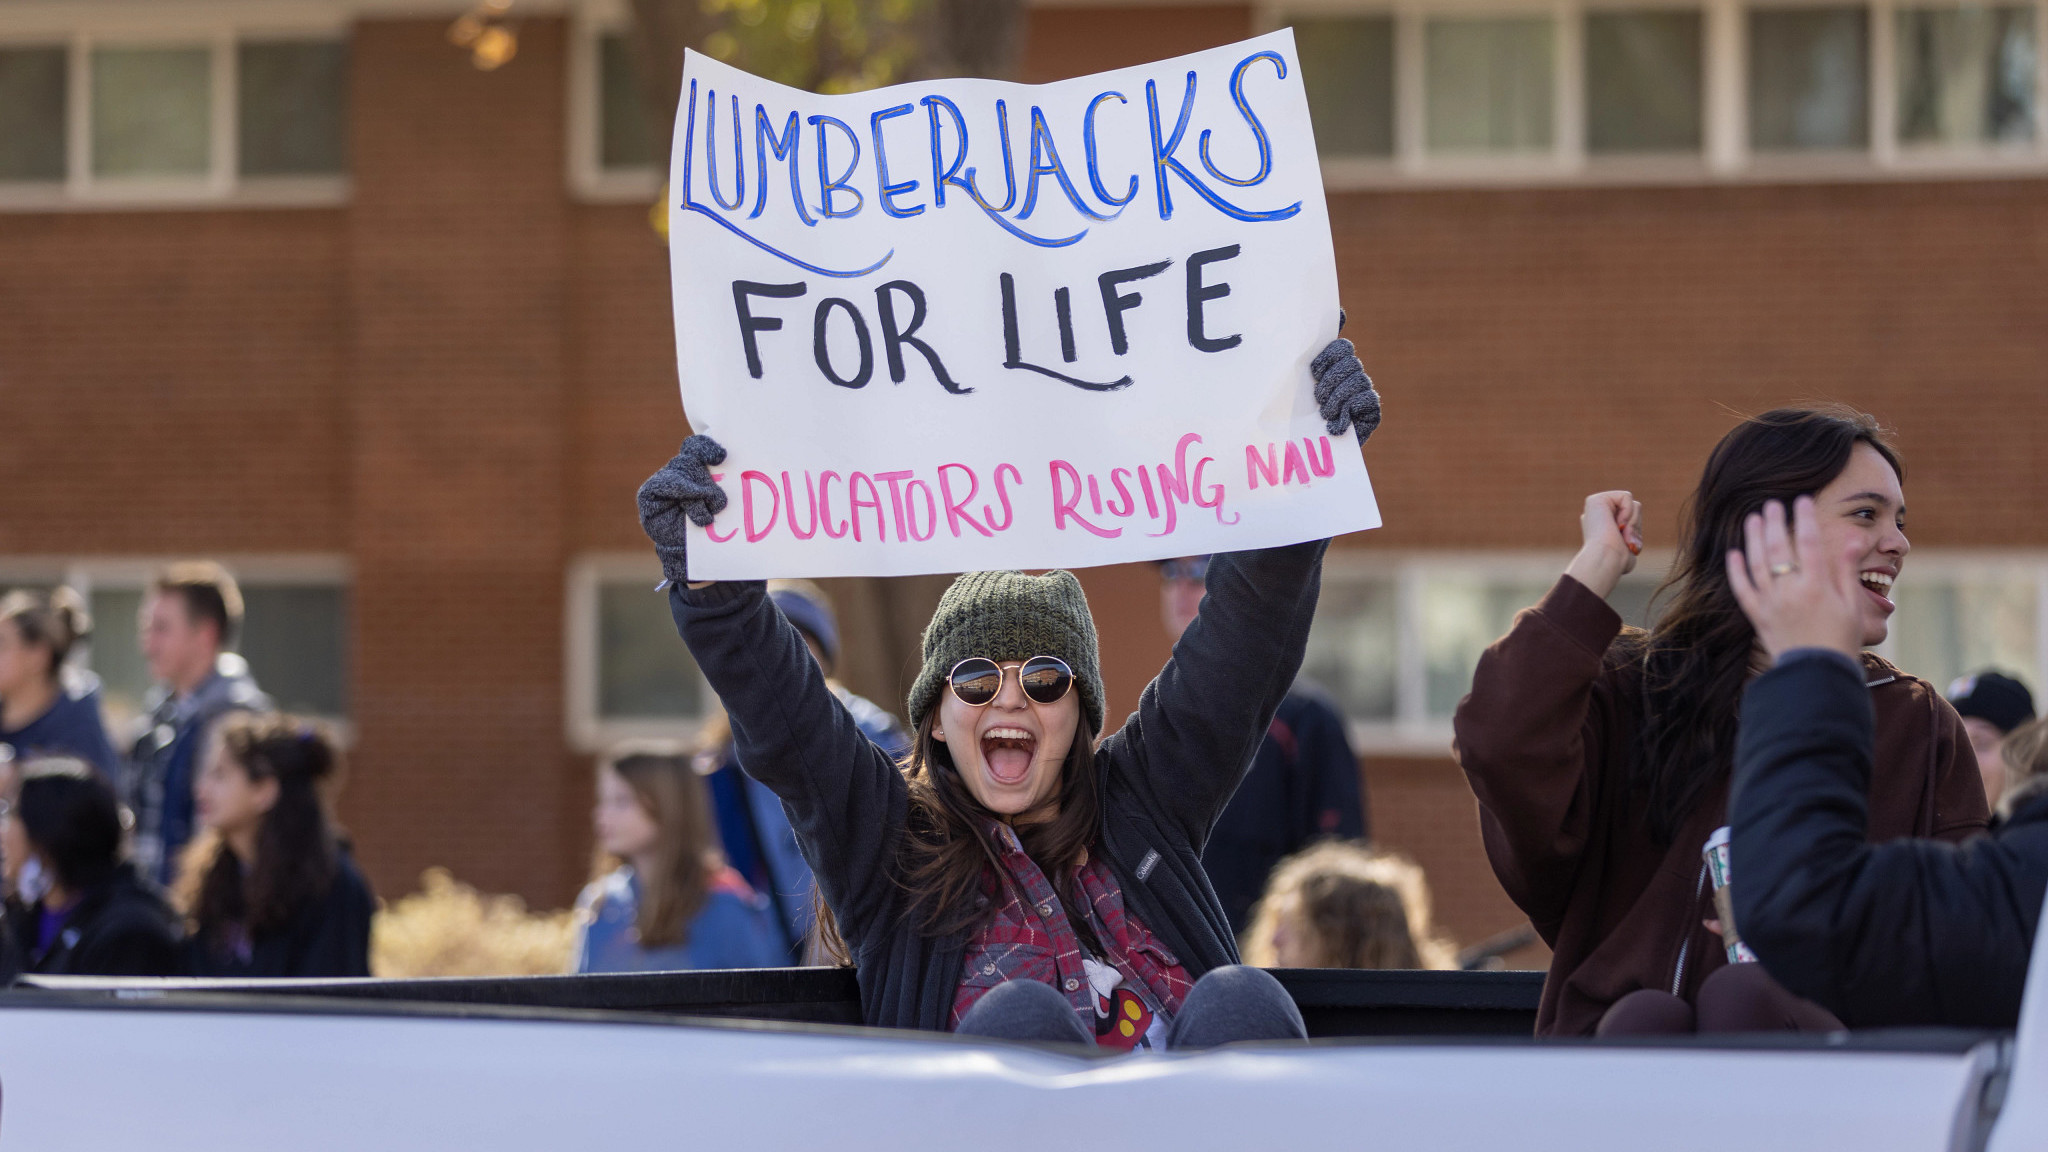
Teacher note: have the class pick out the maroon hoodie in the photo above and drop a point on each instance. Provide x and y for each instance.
(1545, 738)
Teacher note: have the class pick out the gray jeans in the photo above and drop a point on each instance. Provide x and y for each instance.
(1226, 1005)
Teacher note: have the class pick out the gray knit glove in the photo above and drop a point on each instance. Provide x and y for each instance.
(683, 488)
(1344, 393)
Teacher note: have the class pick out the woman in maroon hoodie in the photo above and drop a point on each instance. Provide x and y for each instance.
(1601, 755)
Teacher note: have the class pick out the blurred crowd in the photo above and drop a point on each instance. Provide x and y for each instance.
(204, 841)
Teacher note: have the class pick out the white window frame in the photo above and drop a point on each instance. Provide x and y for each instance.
(1725, 154)
(589, 179)
(86, 574)
(586, 731)
(1413, 732)
(217, 27)
(1953, 564)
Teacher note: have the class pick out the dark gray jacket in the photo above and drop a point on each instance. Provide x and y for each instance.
(1165, 776)
(1909, 932)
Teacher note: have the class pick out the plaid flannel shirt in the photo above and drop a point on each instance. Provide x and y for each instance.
(1029, 938)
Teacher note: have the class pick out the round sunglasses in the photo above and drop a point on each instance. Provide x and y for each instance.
(976, 680)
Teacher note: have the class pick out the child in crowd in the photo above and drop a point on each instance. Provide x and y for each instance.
(47, 708)
(77, 907)
(268, 887)
(1340, 904)
(663, 897)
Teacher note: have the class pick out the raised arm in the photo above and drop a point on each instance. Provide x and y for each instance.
(1531, 734)
(1201, 719)
(1909, 932)
(846, 798)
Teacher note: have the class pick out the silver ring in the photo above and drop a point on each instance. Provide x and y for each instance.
(1784, 569)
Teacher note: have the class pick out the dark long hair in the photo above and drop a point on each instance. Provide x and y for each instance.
(70, 816)
(1700, 652)
(297, 848)
(951, 867)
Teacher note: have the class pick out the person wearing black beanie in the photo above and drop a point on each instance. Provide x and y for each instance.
(1992, 704)
(1014, 878)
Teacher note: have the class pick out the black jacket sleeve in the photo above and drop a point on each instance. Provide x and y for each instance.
(1910, 932)
(1201, 719)
(846, 798)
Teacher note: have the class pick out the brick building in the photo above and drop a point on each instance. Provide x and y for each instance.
(296, 285)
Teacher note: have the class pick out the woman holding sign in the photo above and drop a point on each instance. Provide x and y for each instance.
(1012, 877)
(1601, 755)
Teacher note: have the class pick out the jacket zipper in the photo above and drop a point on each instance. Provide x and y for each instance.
(1685, 948)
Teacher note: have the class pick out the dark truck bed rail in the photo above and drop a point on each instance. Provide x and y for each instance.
(1334, 1002)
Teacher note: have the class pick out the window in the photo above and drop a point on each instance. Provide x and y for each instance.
(1354, 646)
(1491, 84)
(1347, 65)
(33, 84)
(629, 675)
(1396, 639)
(1954, 620)
(1644, 82)
(1660, 91)
(613, 152)
(1809, 78)
(1965, 75)
(152, 112)
(293, 101)
(162, 116)
(294, 638)
(627, 138)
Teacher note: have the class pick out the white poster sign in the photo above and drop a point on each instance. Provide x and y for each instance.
(968, 324)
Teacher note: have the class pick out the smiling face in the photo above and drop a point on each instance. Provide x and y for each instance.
(1010, 751)
(1866, 504)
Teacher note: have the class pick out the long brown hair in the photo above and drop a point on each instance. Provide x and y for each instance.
(1699, 654)
(296, 845)
(686, 856)
(950, 863)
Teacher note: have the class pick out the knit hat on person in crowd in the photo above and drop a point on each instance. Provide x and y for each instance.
(805, 605)
(1008, 616)
(1994, 697)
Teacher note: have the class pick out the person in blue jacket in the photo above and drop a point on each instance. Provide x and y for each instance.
(663, 898)
(759, 843)
(46, 708)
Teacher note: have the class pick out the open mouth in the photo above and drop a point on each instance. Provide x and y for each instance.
(1008, 753)
(1879, 585)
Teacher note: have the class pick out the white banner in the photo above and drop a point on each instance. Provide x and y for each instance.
(967, 324)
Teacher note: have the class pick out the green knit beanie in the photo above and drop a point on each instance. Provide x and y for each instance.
(1010, 616)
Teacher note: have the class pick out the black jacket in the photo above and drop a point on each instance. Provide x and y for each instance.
(122, 927)
(1165, 775)
(326, 937)
(1303, 786)
(1908, 932)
